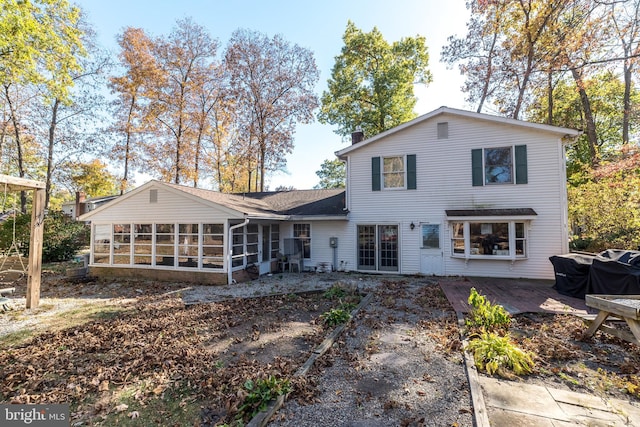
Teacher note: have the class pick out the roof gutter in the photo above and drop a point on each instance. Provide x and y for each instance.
(230, 249)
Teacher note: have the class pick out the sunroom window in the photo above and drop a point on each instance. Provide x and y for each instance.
(484, 239)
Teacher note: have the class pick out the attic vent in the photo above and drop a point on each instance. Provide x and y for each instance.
(443, 130)
(153, 196)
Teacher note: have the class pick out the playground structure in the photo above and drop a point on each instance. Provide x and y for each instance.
(34, 264)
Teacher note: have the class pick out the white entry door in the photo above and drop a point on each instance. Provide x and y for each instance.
(264, 250)
(431, 256)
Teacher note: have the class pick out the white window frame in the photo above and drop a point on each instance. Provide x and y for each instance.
(469, 251)
(306, 240)
(512, 168)
(104, 236)
(403, 172)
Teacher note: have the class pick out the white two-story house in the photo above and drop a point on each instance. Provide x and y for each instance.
(458, 193)
(449, 193)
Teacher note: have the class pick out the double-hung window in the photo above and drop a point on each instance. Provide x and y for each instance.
(499, 165)
(393, 172)
(302, 232)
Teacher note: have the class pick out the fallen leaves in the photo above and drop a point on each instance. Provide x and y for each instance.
(153, 347)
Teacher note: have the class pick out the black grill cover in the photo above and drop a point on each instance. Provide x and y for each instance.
(615, 272)
(572, 273)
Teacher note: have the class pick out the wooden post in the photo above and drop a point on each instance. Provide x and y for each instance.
(35, 248)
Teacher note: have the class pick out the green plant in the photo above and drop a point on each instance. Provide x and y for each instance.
(260, 393)
(498, 355)
(484, 315)
(335, 291)
(335, 316)
(348, 306)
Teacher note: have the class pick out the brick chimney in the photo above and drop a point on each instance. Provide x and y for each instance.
(357, 136)
(80, 204)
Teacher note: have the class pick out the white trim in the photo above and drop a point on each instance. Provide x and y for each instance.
(230, 249)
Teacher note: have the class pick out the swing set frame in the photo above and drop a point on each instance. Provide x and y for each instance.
(34, 267)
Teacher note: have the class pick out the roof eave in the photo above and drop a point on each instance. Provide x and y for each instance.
(566, 133)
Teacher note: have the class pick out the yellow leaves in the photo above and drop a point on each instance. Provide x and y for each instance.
(104, 386)
(159, 389)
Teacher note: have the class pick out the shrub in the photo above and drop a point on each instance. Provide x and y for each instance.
(484, 315)
(335, 316)
(498, 355)
(62, 237)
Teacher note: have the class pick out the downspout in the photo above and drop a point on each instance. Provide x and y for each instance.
(230, 249)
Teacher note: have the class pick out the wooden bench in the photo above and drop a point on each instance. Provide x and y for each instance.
(3, 297)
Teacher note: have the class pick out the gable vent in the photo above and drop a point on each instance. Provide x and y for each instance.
(153, 196)
(443, 130)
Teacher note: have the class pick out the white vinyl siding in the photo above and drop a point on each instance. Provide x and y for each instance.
(444, 182)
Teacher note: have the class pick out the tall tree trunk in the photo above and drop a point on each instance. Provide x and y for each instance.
(626, 101)
(196, 170)
(487, 80)
(525, 82)
(16, 134)
(592, 136)
(550, 98)
(127, 147)
(52, 138)
(263, 152)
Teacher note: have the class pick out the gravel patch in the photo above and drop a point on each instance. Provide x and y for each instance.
(389, 368)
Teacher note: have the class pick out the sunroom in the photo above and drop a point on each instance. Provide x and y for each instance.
(165, 231)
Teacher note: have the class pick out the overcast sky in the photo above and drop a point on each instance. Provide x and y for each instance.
(317, 26)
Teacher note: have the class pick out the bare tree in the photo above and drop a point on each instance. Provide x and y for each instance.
(273, 83)
(625, 17)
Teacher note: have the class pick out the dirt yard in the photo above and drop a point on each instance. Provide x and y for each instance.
(132, 353)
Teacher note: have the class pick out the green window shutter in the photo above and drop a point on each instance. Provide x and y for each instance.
(375, 174)
(522, 177)
(476, 167)
(411, 172)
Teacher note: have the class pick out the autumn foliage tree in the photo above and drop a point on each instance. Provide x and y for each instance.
(604, 204)
(187, 54)
(40, 47)
(518, 55)
(188, 115)
(132, 90)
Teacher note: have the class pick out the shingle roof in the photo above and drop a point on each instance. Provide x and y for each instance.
(233, 201)
(325, 202)
(304, 202)
(491, 212)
